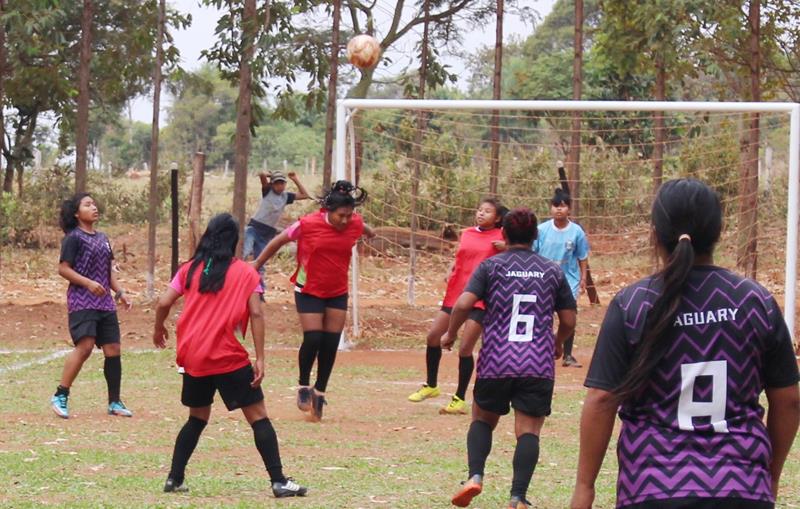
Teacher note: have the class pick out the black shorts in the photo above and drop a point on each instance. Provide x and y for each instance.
(702, 503)
(529, 395)
(306, 303)
(476, 314)
(103, 326)
(234, 388)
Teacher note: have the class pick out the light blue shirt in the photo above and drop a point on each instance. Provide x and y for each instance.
(564, 246)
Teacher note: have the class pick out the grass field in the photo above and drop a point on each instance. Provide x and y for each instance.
(373, 449)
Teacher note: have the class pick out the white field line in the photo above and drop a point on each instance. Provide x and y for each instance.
(43, 360)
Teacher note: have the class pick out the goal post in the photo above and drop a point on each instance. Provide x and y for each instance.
(345, 156)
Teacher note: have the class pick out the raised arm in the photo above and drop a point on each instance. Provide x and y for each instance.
(302, 193)
(272, 248)
(264, 178)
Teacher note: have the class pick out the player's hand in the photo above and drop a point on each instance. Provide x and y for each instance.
(258, 373)
(582, 497)
(499, 245)
(96, 288)
(126, 301)
(583, 286)
(447, 342)
(559, 350)
(291, 175)
(160, 336)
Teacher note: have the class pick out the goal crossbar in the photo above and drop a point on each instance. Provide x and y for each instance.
(345, 107)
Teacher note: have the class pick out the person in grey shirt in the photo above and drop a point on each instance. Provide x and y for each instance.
(263, 224)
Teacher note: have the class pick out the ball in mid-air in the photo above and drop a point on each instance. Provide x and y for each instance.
(363, 51)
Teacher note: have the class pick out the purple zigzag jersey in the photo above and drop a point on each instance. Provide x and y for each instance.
(696, 430)
(522, 291)
(93, 260)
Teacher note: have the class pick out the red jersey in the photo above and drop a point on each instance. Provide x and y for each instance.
(474, 247)
(323, 254)
(210, 322)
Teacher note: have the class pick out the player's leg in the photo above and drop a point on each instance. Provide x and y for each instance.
(479, 445)
(108, 338)
(433, 355)
(569, 359)
(72, 366)
(333, 324)
(311, 311)
(197, 393)
(466, 363)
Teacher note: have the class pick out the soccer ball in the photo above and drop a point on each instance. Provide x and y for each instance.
(363, 51)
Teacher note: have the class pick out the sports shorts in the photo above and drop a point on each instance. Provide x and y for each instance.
(306, 303)
(103, 326)
(234, 388)
(475, 314)
(529, 395)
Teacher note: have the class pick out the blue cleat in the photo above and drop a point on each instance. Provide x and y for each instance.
(59, 405)
(118, 408)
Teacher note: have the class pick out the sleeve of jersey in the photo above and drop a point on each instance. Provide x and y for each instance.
(478, 282)
(780, 364)
(290, 198)
(178, 282)
(69, 250)
(564, 297)
(611, 359)
(582, 251)
(294, 231)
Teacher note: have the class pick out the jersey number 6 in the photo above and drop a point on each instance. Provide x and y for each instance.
(518, 319)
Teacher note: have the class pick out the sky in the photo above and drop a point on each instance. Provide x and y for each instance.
(200, 35)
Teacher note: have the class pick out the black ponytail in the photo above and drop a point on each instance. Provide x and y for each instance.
(216, 249)
(343, 194)
(687, 220)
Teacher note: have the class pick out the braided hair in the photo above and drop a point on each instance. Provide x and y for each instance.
(216, 249)
(343, 194)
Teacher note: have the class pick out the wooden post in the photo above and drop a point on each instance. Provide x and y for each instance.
(196, 200)
(173, 186)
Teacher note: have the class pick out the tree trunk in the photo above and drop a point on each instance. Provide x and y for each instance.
(748, 188)
(660, 132)
(7, 182)
(152, 217)
(417, 155)
(244, 116)
(196, 201)
(82, 121)
(574, 154)
(494, 169)
(330, 116)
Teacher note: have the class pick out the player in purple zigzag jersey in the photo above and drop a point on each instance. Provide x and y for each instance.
(85, 262)
(684, 355)
(516, 363)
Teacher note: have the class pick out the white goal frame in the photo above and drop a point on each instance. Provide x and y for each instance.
(346, 107)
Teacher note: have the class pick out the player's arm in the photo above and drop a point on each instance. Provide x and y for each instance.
(264, 178)
(783, 419)
(119, 293)
(584, 268)
(302, 193)
(368, 231)
(597, 424)
(459, 315)
(257, 324)
(164, 304)
(66, 271)
(274, 245)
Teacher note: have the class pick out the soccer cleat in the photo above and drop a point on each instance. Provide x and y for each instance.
(517, 502)
(288, 488)
(317, 402)
(172, 486)
(304, 399)
(59, 405)
(424, 393)
(570, 361)
(119, 408)
(457, 406)
(469, 490)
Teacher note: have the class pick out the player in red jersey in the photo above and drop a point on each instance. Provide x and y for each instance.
(477, 243)
(325, 240)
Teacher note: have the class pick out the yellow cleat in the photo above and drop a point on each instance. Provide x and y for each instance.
(424, 393)
(457, 406)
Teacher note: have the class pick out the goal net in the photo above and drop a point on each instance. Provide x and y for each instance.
(427, 164)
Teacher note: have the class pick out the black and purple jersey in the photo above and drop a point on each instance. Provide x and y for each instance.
(696, 429)
(90, 255)
(521, 291)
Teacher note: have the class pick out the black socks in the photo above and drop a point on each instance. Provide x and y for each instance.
(479, 445)
(308, 353)
(112, 370)
(267, 445)
(326, 358)
(62, 391)
(568, 345)
(433, 354)
(184, 447)
(465, 367)
(526, 455)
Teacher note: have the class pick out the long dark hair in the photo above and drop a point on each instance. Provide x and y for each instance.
(69, 208)
(343, 194)
(687, 221)
(216, 249)
(500, 210)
